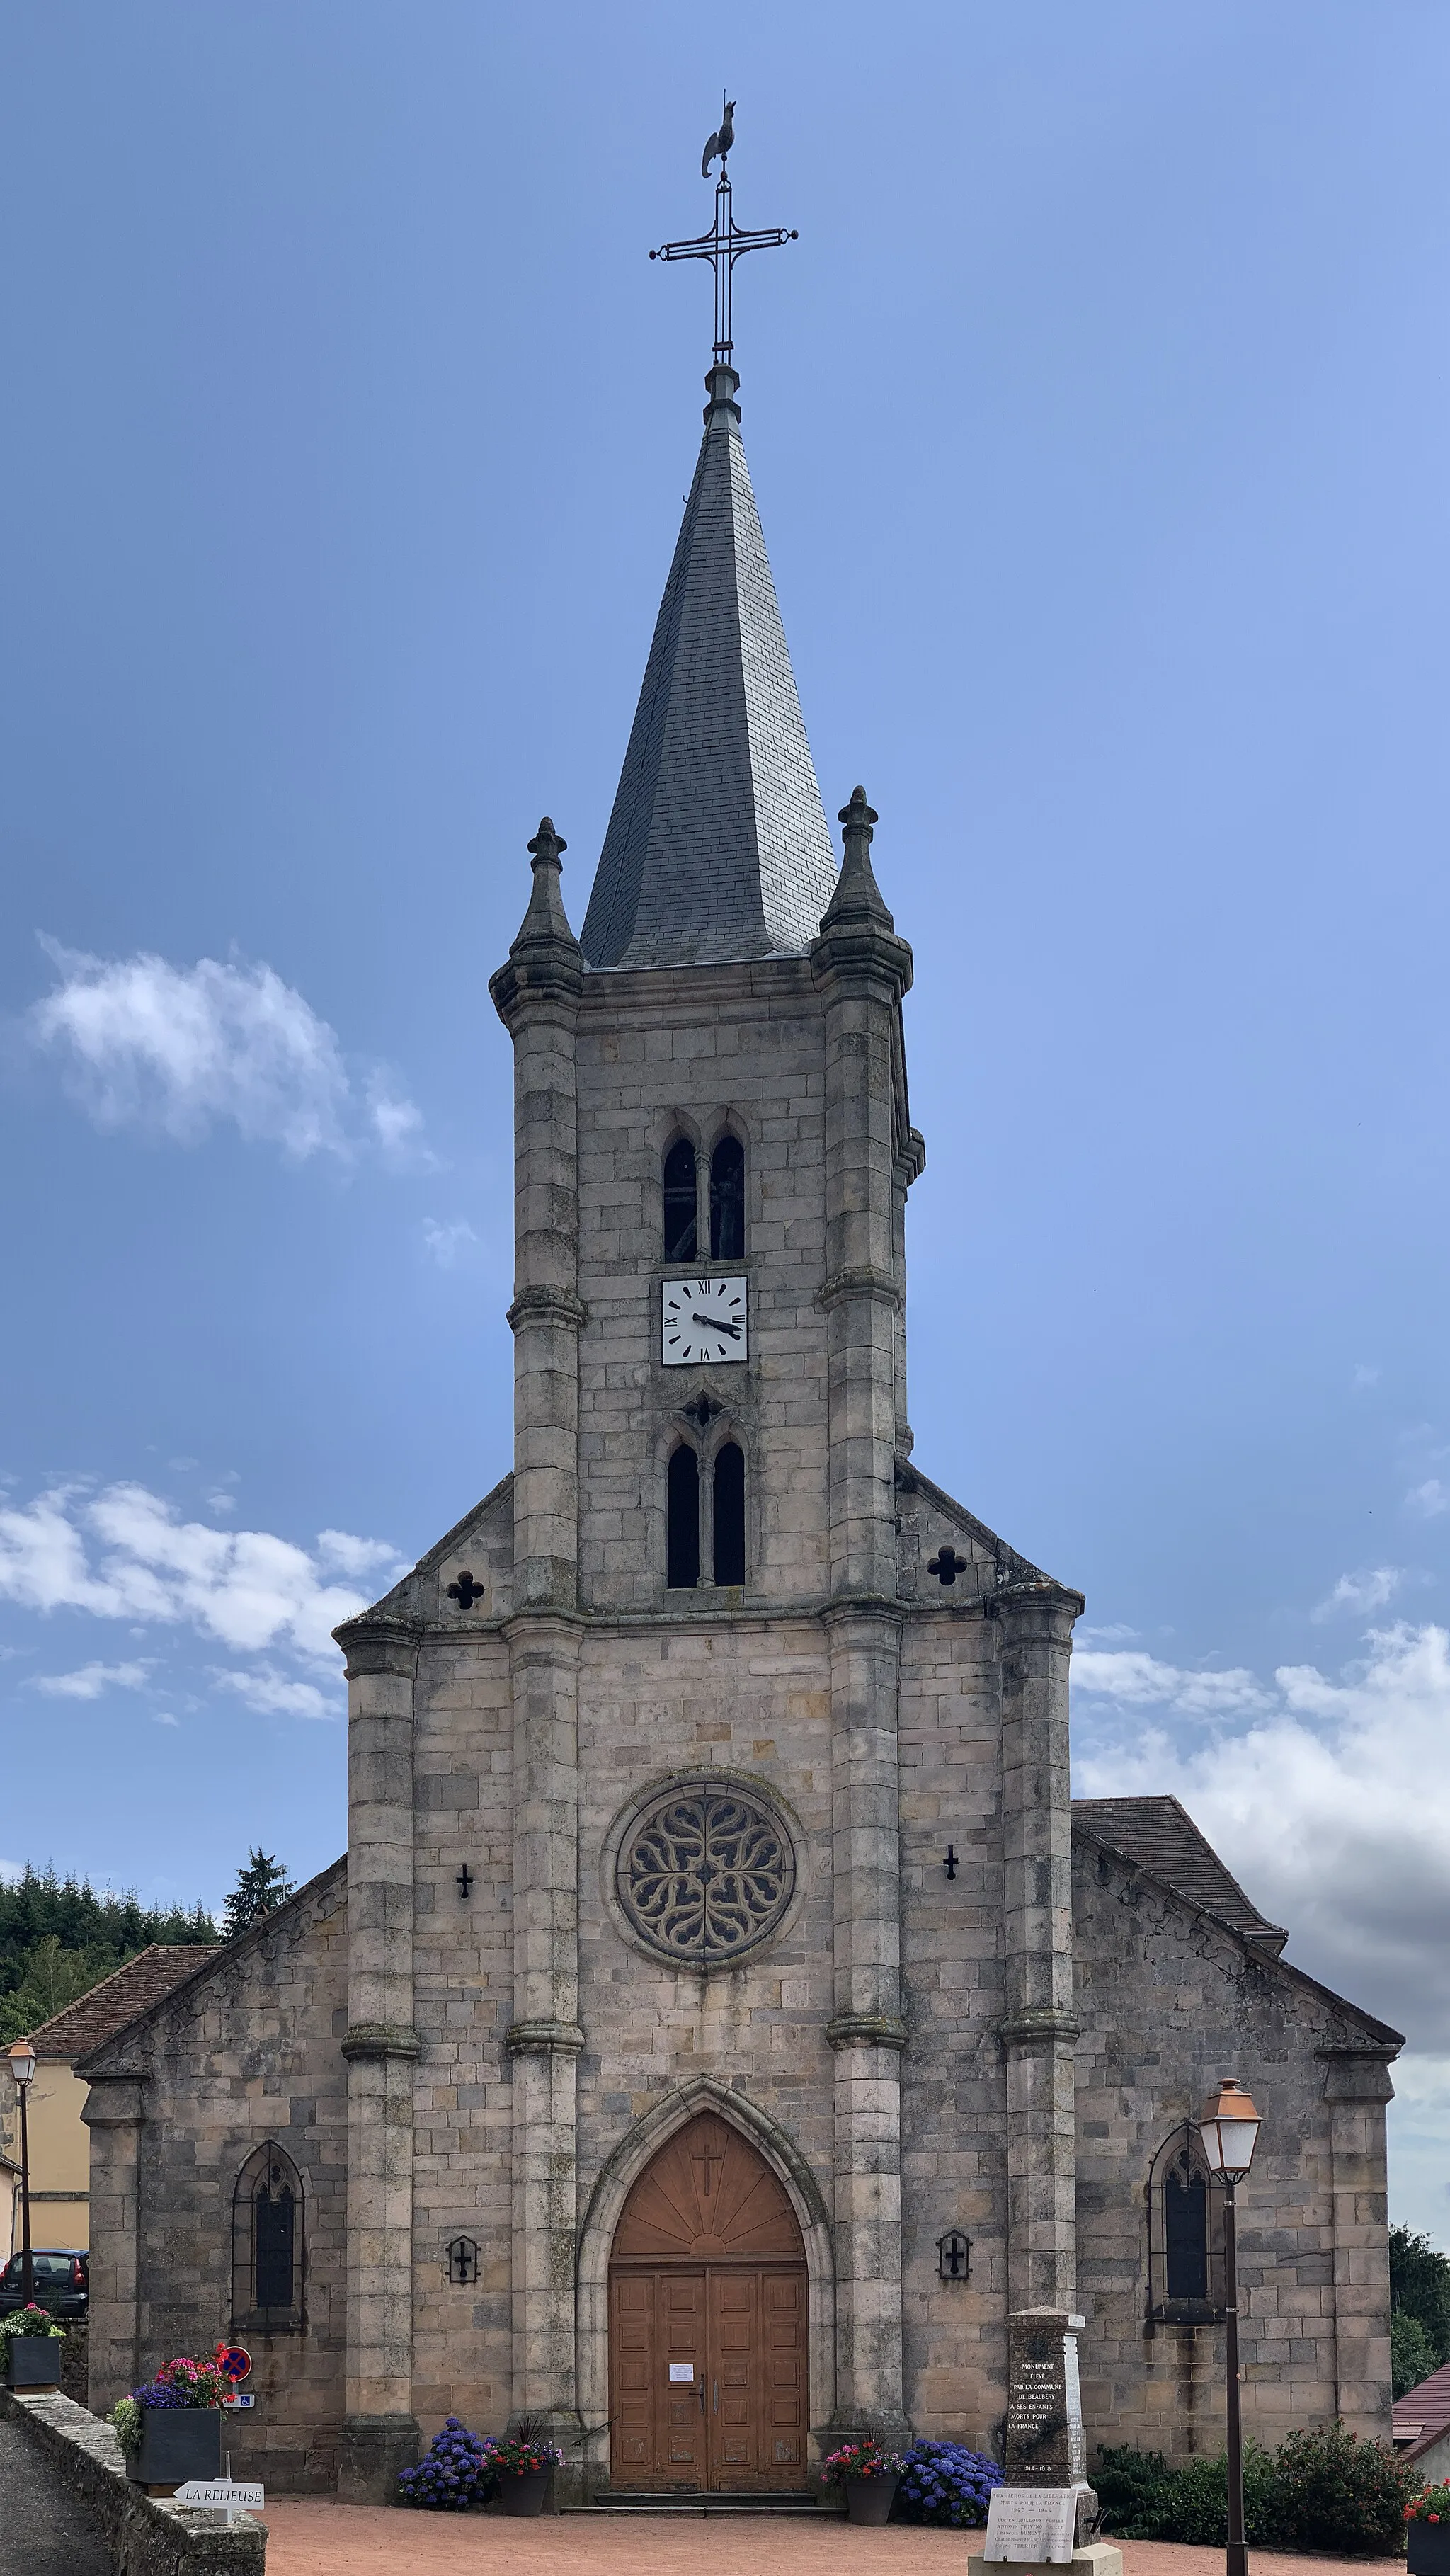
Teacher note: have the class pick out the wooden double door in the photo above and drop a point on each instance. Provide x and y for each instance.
(708, 2323)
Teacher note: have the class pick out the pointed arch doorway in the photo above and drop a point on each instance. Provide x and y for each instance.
(708, 2322)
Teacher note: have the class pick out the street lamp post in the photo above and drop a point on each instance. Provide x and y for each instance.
(22, 2067)
(1229, 2130)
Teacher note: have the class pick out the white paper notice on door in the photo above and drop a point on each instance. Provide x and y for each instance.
(681, 2370)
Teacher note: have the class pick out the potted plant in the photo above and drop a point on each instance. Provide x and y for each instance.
(32, 2342)
(523, 2462)
(171, 2429)
(869, 2475)
(1427, 2532)
(456, 2473)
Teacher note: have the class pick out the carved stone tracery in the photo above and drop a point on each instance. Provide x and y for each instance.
(706, 1873)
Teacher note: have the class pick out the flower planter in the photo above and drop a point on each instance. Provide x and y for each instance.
(177, 2443)
(869, 2499)
(1427, 2548)
(525, 2494)
(34, 2360)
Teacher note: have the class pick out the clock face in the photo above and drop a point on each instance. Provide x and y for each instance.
(704, 1319)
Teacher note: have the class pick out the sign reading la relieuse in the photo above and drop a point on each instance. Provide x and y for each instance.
(236, 2494)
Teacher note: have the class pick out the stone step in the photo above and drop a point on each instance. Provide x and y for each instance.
(645, 2500)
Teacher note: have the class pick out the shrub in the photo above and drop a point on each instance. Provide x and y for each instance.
(457, 2472)
(945, 2483)
(1325, 2489)
(1432, 2504)
(1137, 2493)
(1342, 2491)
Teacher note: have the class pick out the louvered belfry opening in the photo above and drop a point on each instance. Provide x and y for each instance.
(729, 1515)
(683, 1516)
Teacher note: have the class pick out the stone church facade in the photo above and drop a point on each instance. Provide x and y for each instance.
(722, 2017)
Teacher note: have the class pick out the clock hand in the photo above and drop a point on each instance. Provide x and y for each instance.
(717, 1324)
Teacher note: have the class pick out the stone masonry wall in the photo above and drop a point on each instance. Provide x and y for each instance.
(742, 1047)
(1171, 2002)
(249, 2053)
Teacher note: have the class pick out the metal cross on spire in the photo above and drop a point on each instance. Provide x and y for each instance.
(727, 242)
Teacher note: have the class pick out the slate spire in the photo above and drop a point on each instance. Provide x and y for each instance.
(717, 846)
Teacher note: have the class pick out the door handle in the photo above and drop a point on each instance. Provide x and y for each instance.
(717, 2396)
(702, 2397)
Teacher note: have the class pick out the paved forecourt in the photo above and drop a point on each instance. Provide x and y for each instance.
(325, 2539)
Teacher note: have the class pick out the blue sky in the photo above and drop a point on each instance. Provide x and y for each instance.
(1097, 420)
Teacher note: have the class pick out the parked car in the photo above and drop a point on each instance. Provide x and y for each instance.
(61, 2277)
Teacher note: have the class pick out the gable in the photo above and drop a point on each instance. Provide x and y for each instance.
(480, 1546)
(320, 1898)
(1128, 1904)
(929, 1520)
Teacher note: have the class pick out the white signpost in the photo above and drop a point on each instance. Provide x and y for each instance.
(237, 2495)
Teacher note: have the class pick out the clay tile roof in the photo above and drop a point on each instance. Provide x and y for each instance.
(1424, 2412)
(146, 1979)
(1161, 1836)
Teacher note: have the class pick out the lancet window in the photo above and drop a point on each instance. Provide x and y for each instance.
(268, 2250)
(727, 1200)
(680, 1187)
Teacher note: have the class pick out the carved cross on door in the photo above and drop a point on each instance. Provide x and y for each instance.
(705, 2160)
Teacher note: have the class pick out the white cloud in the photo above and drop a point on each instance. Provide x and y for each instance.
(444, 1242)
(1365, 1376)
(1429, 1500)
(274, 1695)
(91, 1680)
(178, 1049)
(1322, 1802)
(397, 1124)
(358, 1557)
(220, 1502)
(246, 1588)
(1137, 1680)
(1361, 1593)
(1115, 1634)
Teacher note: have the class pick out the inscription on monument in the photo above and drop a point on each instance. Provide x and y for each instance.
(1045, 2445)
(1032, 2525)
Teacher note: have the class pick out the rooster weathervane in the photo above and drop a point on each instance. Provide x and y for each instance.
(727, 241)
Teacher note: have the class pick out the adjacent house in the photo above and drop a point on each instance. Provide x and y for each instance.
(1422, 2426)
(60, 2146)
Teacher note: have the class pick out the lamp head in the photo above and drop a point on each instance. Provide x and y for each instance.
(22, 2061)
(1229, 2129)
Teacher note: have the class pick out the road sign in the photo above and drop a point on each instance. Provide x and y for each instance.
(240, 2397)
(234, 2362)
(238, 2495)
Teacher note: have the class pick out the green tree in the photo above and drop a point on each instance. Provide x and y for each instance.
(1420, 2288)
(1412, 2355)
(54, 1977)
(261, 1887)
(60, 1936)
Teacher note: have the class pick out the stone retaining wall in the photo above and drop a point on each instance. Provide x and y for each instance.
(146, 2536)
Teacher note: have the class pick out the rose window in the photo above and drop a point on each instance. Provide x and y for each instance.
(706, 1873)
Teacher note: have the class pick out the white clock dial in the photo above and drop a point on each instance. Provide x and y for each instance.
(704, 1319)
